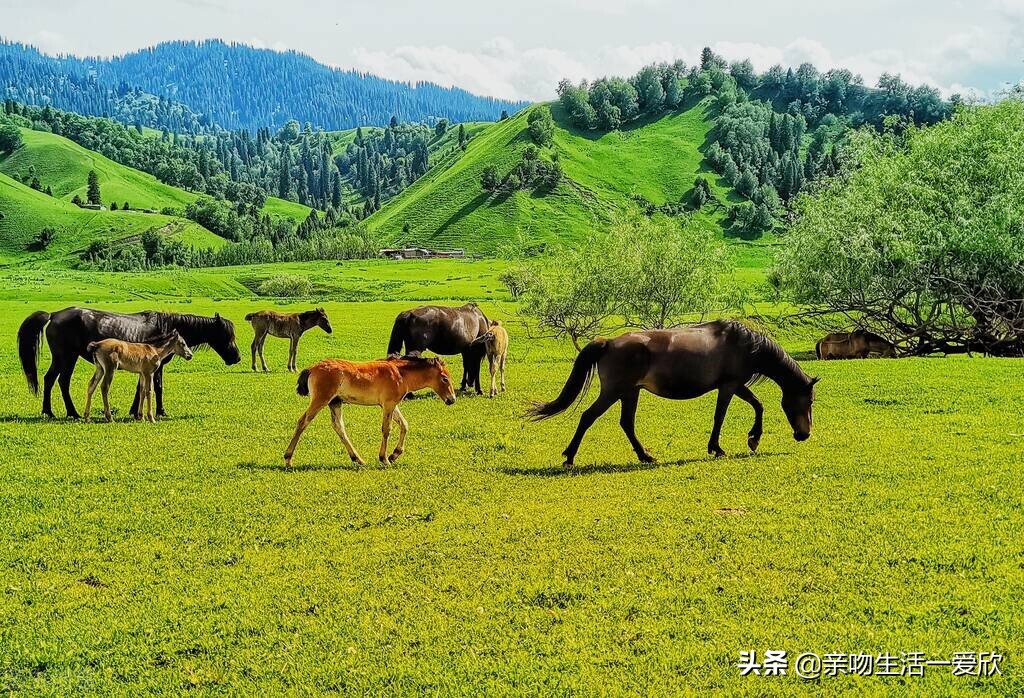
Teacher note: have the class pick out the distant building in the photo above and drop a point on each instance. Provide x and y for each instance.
(420, 253)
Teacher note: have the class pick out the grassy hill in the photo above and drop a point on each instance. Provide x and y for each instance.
(25, 211)
(64, 166)
(658, 159)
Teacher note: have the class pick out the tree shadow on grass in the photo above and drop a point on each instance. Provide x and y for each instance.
(618, 468)
(304, 468)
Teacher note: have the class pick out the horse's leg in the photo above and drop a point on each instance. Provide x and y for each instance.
(465, 372)
(108, 377)
(403, 429)
(721, 407)
(94, 383)
(156, 382)
(48, 380)
(754, 436)
(587, 419)
(293, 352)
(338, 422)
(64, 381)
(315, 406)
(253, 347)
(263, 358)
(492, 365)
(627, 420)
(478, 360)
(385, 432)
(149, 398)
(502, 368)
(136, 408)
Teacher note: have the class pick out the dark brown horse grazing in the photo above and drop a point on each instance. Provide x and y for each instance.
(681, 364)
(444, 330)
(70, 331)
(859, 344)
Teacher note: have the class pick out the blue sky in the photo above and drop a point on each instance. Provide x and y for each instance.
(521, 48)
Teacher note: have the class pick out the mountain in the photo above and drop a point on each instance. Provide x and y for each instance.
(231, 85)
(657, 159)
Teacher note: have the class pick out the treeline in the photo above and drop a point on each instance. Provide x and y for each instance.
(773, 132)
(317, 238)
(231, 85)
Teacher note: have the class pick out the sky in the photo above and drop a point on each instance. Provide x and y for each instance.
(520, 49)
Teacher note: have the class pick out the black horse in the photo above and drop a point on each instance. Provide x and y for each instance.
(681, 364)
(69, 332)
(444, 330)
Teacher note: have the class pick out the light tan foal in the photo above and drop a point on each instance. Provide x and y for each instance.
(141, 358)
(497, 353)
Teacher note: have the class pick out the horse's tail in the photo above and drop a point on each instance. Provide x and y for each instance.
(397, 335)
(302, 386)
(576, 386)
(817, 348)
(30, 336)
(91, 347)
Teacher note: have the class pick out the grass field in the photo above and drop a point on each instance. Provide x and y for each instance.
(183, 556)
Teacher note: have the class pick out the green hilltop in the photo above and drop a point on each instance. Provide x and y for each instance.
(657, 159)
(64, 166)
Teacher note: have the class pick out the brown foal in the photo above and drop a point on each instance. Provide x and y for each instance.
(290, 326)
(143, 359)
(335, 382)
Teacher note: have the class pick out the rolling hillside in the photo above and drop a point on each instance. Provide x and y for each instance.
(24, 212)
(657, 159)
(64, 166)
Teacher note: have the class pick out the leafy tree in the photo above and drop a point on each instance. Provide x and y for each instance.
(880, 247)
(10, 138)
(441, 128)
(44, 238)
(541, 126)
(93, 188)
(489, 178)
(643, 272)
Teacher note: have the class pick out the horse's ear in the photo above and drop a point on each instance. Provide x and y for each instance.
(815, 380)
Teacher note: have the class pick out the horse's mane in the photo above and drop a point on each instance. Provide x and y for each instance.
(762, 347)
(167, 322)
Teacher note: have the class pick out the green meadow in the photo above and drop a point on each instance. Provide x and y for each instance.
(184, 556)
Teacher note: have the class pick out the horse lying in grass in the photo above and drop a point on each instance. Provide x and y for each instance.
(681, 364)
(386, 382)
(859, 344)
(289, 326)
(143, 359)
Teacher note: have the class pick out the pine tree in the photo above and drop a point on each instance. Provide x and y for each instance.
(93, 193)
(284, 178)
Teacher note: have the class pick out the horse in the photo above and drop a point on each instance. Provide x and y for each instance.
(680, 364)
(444, 330)
(496, 344)
(858, 344)
(287, 326)
(386, 382)
(143, 358)
(69, 332)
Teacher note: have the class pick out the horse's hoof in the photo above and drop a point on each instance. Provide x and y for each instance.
(647, 458)
(357, 460)
(753, 442)
(385, 462)
(395, 455)
(287, 460)
(716, 452)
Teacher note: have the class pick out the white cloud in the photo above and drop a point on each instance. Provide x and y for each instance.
(50, 42)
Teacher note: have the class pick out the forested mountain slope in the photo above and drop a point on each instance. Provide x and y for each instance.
(230, 85)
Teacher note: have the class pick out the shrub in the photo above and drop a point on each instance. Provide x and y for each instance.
(285, 286)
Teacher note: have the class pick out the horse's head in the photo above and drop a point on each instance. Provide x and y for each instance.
(222, 340)
(322, 322)
(441, 380)
(180, 347)
(797, 403)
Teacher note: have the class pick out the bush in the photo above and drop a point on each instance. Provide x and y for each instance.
(285, 286)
